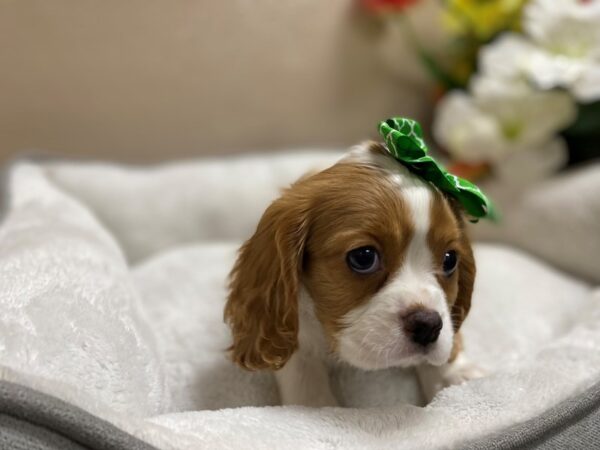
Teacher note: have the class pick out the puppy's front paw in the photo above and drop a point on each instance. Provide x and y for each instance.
(434, 379)
(459, 372)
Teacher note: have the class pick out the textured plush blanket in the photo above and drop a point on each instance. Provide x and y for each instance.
(111, 297)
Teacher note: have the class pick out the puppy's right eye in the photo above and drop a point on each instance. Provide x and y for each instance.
(363, 260)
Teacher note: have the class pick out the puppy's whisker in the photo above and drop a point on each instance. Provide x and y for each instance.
(362, 347)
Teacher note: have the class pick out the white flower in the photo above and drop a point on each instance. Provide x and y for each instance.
(514, 57)
(500, 119)
(570, 28)
(527, 116)
(465, 131)
(561, 48)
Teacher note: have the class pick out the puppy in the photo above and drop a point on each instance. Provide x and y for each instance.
(362, 263)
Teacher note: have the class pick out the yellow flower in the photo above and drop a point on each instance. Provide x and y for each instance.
(482, 19)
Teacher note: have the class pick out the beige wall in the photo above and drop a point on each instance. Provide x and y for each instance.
(143, 80)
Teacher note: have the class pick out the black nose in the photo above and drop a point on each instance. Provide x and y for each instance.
(423, 326)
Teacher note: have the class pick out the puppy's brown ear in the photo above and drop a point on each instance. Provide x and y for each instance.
(466, 280)
(466, 271)
(262, 307)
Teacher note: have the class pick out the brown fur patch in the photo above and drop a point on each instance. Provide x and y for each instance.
(457, 346)
(447, 232)
(375, 148)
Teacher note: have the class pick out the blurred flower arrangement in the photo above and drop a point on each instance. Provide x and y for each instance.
(521, 83)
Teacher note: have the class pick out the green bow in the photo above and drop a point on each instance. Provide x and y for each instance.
(404, 141)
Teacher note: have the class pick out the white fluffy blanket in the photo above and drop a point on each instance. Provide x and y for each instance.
(111, 296)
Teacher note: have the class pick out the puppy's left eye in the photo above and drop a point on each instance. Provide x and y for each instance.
(363, 260)
(450, 262)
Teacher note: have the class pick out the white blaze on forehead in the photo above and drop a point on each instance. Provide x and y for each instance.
(418, 255)
(418, 199)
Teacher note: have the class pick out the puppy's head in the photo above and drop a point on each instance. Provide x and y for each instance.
(382, 255)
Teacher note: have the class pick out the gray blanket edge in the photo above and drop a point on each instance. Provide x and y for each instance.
(573, 424)
(30, 419)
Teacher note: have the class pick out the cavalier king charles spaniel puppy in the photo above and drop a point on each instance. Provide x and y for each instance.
(363, 263)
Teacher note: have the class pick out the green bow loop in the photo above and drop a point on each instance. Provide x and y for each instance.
(404, 141)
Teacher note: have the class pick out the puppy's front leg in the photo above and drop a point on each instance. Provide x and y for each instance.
(304, 381)
(456, 371)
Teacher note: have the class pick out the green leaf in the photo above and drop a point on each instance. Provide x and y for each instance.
(404, 141)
